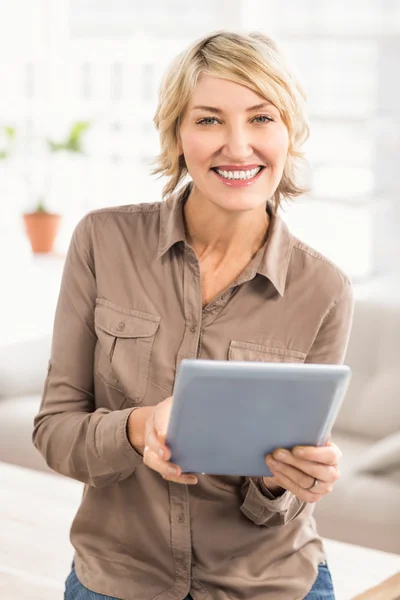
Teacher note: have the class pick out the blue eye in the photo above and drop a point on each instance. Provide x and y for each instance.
(209, 120)
(264, 117)
(202, 121)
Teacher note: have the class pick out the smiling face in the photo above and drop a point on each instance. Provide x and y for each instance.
(225, 144)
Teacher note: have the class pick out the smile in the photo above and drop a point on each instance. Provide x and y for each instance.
(238, 174)
(238, 178)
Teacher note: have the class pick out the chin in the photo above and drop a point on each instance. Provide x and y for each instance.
(240, 204)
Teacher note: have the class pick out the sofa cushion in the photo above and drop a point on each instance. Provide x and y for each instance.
(16, 428)
(363, 510)
(382, 458)
(23, 367)
(353, 448)
(371, 406)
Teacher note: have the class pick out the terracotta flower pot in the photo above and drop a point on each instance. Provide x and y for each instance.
(41, 229)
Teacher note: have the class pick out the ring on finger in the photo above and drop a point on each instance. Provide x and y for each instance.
(314, 484)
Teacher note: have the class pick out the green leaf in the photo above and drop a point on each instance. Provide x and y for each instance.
(78, 129)
(40, 207)
(10, 132)
(73, 142)
(54, 146)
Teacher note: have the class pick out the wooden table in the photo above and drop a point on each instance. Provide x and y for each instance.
(37, 508)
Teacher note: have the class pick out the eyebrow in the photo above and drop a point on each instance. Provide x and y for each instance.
(220, 111)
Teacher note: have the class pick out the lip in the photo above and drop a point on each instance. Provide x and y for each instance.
(236, 167)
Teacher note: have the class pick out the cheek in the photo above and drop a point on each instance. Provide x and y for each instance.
(277, 148)
(196, 149)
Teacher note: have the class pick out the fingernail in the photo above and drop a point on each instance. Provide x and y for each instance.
(298, 451)
(173, 471)
(281, 455)
(161, 453)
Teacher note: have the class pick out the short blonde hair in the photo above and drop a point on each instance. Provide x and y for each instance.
(252, 60)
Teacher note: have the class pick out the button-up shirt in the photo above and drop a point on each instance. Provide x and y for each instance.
(129, 310)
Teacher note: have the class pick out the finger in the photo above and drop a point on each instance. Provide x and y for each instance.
(185, 478)
(336, 448)
(154, 440)
(152, 459)
(156, 456)
(300, 479)
(159, 427)
(327, 473)
(284, 481)
(329, 455)
(156, 445)
(168, 471)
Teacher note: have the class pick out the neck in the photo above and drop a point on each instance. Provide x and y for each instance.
(212, 230)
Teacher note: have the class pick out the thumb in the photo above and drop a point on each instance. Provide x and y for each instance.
(162, 435)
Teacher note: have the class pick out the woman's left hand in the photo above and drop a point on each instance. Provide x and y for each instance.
(298, 469)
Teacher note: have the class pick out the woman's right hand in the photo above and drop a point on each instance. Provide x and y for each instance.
(156, 453)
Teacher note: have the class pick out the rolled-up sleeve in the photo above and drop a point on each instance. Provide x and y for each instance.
(75, 438)
(261, 508)
(329, 347)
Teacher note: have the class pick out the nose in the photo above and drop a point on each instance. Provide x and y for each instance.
(237, 144)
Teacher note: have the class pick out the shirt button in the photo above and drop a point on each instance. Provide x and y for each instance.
(121, 326)
(193, 328)
(181, 518)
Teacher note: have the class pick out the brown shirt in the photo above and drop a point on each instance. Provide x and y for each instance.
(129, 311)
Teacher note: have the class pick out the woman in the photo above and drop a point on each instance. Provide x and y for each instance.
(212, 272)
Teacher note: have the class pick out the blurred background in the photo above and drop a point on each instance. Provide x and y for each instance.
(79, 80)
(78, 91)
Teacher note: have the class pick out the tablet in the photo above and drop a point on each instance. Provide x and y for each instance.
(227, 416)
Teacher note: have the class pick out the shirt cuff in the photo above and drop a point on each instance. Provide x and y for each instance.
(113, 445)
(269, 511)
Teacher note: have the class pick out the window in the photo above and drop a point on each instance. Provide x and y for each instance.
(102, 62)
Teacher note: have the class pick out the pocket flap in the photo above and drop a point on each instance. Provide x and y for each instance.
(256, 352)
(124, 322)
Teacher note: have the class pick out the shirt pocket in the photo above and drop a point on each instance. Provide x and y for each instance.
(126, 337)
(258, 353)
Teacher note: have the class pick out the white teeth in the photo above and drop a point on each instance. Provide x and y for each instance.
(239, 174)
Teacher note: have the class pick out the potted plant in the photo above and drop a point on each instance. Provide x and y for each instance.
(42, 225)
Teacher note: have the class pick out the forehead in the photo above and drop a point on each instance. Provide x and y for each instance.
(224, 94)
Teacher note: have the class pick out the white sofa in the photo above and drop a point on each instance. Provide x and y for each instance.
(364, 507)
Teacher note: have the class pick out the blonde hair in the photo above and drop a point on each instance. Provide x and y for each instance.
(253, 60)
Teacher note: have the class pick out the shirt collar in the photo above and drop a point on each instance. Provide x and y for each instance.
(172, 226)
(277, 250)
(275, 260)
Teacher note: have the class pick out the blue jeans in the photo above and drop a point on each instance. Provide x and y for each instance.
(321, 590)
